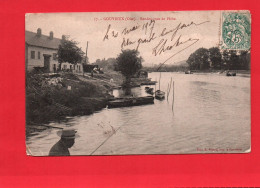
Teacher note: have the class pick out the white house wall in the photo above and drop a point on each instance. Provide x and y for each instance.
(66, 66)
(40, 62)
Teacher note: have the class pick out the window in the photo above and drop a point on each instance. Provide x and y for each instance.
(32, 54)
(54, 56)
(39, 55)
(65, 66)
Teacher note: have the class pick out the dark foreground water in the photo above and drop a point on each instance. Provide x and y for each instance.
(211, 114)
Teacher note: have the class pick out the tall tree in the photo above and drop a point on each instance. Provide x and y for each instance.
(128, 63)
(69, 52)
(199, 60)
(226, 59)
(244, 60)
(215, 58)
(248, 60)
(193, 64)
(234, 60)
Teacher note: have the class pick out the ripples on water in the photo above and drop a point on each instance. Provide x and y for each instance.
(211, 111)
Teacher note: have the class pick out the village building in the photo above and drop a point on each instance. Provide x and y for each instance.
(41, 53)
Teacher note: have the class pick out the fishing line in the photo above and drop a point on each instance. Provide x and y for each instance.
(104, 141)
(107, 139)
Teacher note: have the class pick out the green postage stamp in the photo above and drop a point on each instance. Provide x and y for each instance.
(236, 30)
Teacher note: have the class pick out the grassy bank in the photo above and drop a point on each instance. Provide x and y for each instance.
(53, 97)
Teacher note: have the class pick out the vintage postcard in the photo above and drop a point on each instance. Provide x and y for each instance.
(134, 83)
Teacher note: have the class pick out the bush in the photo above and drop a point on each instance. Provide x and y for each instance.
(45, 101)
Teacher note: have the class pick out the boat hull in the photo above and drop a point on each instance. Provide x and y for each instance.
(149, 90)
(160, 95)
(132, 101)
(231, 74)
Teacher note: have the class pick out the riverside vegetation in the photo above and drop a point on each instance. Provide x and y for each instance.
(52, 97)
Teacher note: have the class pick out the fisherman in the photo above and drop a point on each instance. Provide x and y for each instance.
(66, 141)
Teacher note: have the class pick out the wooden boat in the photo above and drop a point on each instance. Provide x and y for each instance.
(159, 94)
(148, 83)
(130, 101)
(188, 72)
(231, 73)
(149, 90)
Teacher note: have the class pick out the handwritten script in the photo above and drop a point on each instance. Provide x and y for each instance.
(165, 40)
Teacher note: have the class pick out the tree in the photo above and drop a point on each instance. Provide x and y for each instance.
(215, 58)
(85, 60)
(234, 60)
(231, 59)
(244, 60)
(248, 60)
(199, 60)
(193, 64)
(106, 64)
(226, 59)
(128, 63)
(69, 52)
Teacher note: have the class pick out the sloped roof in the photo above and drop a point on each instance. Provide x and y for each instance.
(41, 41)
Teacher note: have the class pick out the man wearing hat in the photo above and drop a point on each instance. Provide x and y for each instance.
(66, 141)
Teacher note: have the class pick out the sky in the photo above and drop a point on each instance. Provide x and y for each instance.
(171, 38)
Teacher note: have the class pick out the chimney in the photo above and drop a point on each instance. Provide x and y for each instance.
(51, 35)
(39, 32)
(63, 37)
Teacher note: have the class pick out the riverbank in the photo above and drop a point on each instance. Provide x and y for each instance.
(222, 71)
(53, 97)
(241, 73)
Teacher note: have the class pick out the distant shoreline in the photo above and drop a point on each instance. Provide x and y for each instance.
(210, 71)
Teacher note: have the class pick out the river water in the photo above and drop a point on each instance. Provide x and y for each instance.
(210, 114)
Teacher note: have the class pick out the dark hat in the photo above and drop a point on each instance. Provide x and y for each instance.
(68, 133)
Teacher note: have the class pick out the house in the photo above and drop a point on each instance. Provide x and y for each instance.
(41, 53)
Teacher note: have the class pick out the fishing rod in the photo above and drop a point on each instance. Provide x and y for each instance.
(105, 141)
